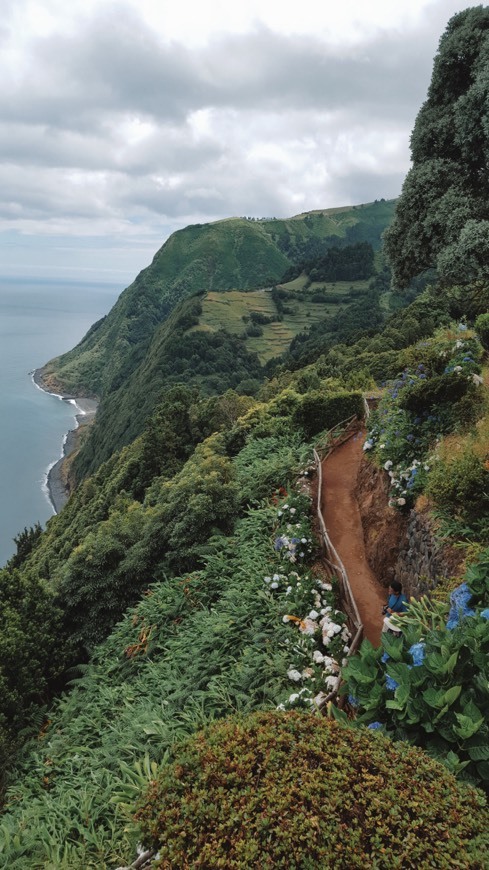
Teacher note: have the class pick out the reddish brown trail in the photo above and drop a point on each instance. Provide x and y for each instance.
(342, 517)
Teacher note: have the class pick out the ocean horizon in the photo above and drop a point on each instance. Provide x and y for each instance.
(39, 319)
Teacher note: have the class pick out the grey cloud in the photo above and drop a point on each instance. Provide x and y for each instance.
(291, 124)
(119, 66)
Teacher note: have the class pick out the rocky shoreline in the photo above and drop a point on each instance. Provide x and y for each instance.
(57, 482)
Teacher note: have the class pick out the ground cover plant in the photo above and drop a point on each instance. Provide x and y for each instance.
(198, 646)
(295, 791)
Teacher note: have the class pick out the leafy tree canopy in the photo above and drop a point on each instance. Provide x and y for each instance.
(442, 214)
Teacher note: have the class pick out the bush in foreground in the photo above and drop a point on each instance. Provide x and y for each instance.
(298, 791)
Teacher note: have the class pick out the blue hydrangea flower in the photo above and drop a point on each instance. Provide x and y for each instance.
(390, 683)
(385, 658)
(459, 600)
(374, 726)
(353, 701)
(485, 613)
(417, 652)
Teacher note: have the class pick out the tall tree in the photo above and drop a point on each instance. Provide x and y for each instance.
(442, 217)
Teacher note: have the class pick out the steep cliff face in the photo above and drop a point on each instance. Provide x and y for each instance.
(399, 545)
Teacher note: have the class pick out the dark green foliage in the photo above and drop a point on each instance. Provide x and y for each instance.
(212, 362)
(482, 328)
(349, 263)
(319, 411)
(294, 791)
(430, 685)
(118, 560)
(32, 654)
(439, 391)
(442, 214)
(460, 486)
(25, 542)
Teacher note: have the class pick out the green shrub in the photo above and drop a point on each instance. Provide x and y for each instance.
(318, 410)
(297, 791)
(459, 485)
(430, 686)
(482, 328)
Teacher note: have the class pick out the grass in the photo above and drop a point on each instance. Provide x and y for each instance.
(226, 311)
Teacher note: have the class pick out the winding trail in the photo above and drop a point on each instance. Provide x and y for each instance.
(342, 517)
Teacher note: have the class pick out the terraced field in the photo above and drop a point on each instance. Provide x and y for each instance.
(226, 311)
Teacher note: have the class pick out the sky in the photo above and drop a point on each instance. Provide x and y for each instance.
(122, 121)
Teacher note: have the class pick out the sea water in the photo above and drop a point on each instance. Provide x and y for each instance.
(38, 321)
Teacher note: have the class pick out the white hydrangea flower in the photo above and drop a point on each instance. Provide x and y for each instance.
(318, 657)
(293, 698)
(313, 614)
(308, 626)
(294, 675)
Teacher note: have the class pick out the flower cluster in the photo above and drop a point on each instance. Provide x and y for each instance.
(459, 609)
(415, 412)
(321, 636)
(406, 481)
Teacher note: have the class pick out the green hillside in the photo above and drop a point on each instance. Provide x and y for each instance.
(131, 356)
(231, 254)
(170, 644)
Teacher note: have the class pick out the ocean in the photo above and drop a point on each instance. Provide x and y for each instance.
(38, 320)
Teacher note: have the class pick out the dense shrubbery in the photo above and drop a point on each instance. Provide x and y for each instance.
(196, 647)
(296, 791)
(439, 392)
(350, 263)
(318, 410)
(430, 686)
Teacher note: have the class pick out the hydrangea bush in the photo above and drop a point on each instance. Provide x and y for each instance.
(431, 686)
(437, 392)
(319, 639)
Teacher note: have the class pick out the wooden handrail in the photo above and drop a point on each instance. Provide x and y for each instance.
(330, 554)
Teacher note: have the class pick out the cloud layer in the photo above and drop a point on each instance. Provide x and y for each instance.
(109, 126)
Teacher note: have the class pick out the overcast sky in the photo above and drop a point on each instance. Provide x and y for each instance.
(123, 121)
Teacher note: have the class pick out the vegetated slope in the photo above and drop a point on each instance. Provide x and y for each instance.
(176, 353)
(167, 521)
(170, 512)
(130, 356)
(234, 253)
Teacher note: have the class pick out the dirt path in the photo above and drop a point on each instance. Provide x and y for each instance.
(342, 517)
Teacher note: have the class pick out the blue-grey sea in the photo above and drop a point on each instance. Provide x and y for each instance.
(38, 320)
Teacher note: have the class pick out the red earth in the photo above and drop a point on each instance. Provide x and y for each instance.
(342, 518)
